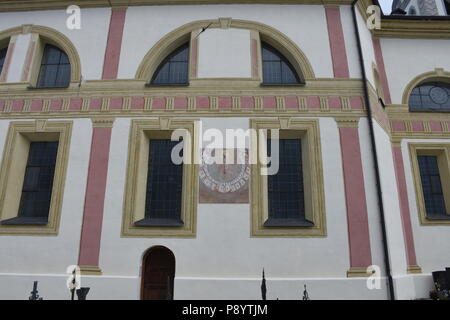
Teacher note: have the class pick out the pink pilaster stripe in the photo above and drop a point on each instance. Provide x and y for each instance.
(114, 44)
(355, 197)
(95, 198)
(28, 59)
(382, 69)
(404, 206)
(254, 55)
(337, 43)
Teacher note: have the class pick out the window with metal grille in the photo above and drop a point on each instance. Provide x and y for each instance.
(55, 69)
(447, 6)
(431, 186)
(430, 96)
(164, 185)
(38, 181)
(276, 68)
(174, 69)
(2, 58)
(285, 189)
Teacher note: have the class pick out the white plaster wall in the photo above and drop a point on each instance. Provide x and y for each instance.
(405, 59)
(432, 243)
(90, 40)
(373, 211)
(224, 54)
(304, 24)
(350, 41)
(223, 247)
(367, 48)
(391, 202)
(50, 254)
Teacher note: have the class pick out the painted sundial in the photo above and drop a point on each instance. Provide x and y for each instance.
(224, 181)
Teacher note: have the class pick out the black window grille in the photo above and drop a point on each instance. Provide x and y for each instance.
(55, 69)
(174, 69)
(276, 68)
(164, 183)
(286, 189)
(38, 180)
(2, 58)
(431, 186)
(430, 96)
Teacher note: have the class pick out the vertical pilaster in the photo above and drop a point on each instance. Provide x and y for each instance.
(355, 198)
(404, 208)
(337, 42)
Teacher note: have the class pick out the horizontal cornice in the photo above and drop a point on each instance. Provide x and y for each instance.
(27, 5)
(430, 29)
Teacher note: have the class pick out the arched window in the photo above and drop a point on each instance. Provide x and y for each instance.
(174, 69)
(430, 96)
(2, 58)
(55, 68)
(276, 68)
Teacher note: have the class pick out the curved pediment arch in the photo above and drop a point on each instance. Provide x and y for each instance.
(270, 35)
(53, 37)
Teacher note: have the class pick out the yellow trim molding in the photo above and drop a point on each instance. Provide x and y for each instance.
(308, 130)
(141, 133)
(12, 172)
(442, 152)
(90, 271)
(358, 272)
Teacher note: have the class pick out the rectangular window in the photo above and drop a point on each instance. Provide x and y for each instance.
(161, 193)
(287, 200)
(431, 186)
(286, 197)
(38, 182)
(32, 176)
(164, 185)
(431, 173)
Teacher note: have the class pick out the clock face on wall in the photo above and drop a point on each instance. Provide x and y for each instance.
(224, 176)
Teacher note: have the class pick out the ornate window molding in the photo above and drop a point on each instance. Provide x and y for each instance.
(189, 32)
(42, 36)
(442, 152)
(12, 172)
(136, 183)
(312, 176)
(437, 74)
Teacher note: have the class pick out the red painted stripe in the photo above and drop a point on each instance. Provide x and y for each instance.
(382, 70)
(114, 44)
(355, 198)
(337, 43)
(404, 205)
(95, 198)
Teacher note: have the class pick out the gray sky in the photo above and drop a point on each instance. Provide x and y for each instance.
(386, 6)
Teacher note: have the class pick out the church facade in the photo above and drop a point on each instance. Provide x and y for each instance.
(115, 116)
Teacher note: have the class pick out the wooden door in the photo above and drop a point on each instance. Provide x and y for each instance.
(158, 273)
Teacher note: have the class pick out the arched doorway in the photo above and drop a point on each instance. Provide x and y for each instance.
(158, 273)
